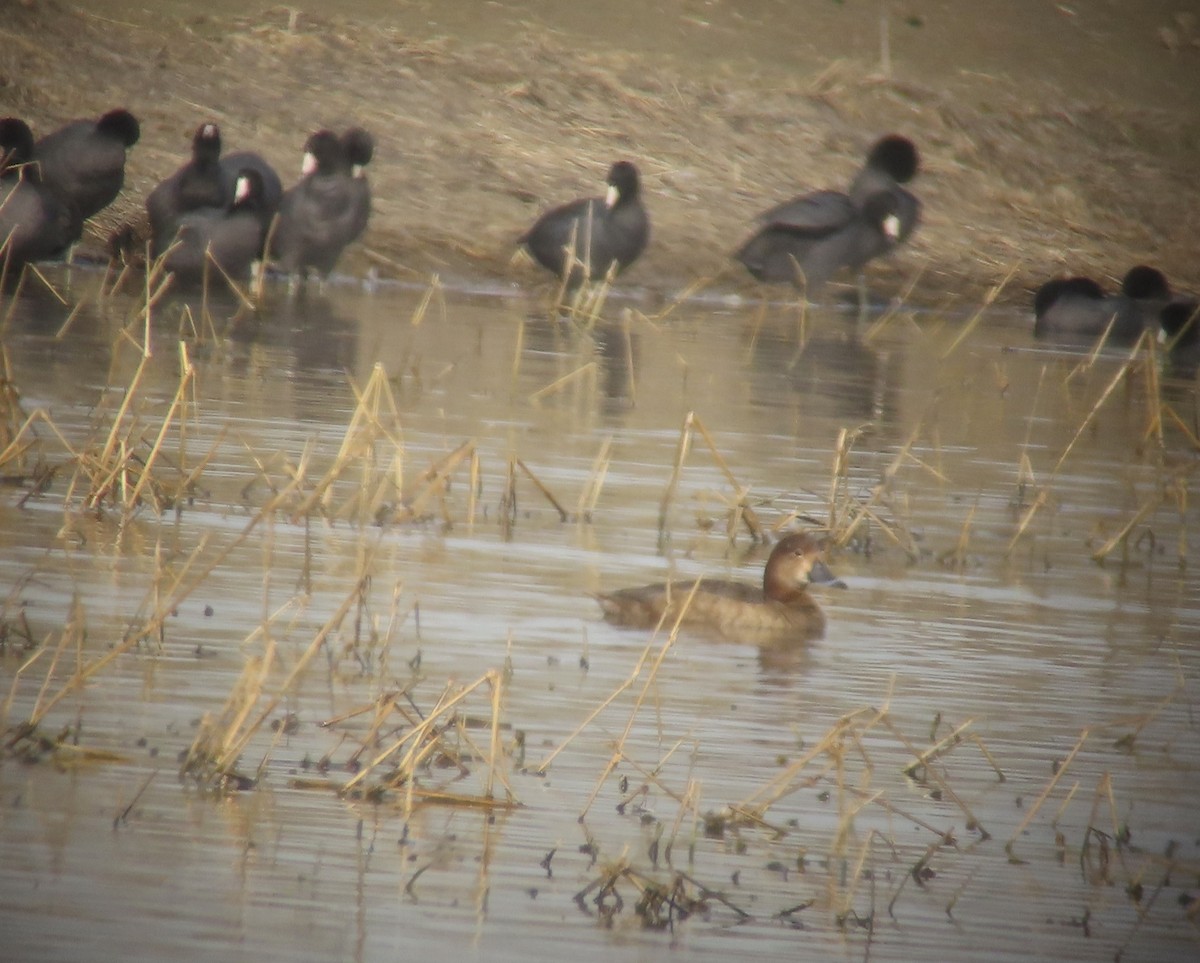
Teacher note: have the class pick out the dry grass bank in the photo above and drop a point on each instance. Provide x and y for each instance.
(475, 139)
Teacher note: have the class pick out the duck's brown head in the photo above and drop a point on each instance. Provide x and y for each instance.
(795, 563)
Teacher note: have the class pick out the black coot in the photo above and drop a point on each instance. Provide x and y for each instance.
(893, 160)
(329, 207)
(227, 238)
(85, 160)
(810, 238)
(195, 185)
(35, 222)
(1181, 328)
(585, 239)
(360, 149)
(272, 187)
(1077, 310)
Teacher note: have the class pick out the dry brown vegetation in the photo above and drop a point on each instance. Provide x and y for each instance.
(474, 139)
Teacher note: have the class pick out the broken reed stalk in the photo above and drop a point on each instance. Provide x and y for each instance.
(692, 423)
(879, 799)
(785, 782)
(475, 483)
(238, 733)
(1043, 493)
(630, 366)
(187, 376)
(1104, 395)
(435, 290)
(1154, 403)
(748, 515)
(245, 299)
(944, 745)
(1045, 793)
(560, 303)
(599, 708)
(425, 737)
(375, 421)
(860, 872)
(177, 594)
(958, 554)
(563, 514)
(988, 300)
(1148, 507)
(518, 354)
(430, 483)
(650, 774)
(847, 513)
(932, 774)
(1025, 469)
(210, 757)
(588, 369)
(1191, 436)
(589, 495)
(893, 308)
(681, 450)
(590, 301)
(651, 678)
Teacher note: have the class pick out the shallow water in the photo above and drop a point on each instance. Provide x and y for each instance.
(1028, 641)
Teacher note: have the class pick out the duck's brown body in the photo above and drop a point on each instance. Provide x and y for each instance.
(780, 610)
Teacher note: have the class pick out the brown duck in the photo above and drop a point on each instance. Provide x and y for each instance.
(781, 610)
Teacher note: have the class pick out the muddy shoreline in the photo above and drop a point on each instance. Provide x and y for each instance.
(476, 138)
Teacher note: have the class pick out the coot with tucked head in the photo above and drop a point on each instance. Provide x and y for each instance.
(85, 160)
(1076, 310)
(586, 239)
(35, 222)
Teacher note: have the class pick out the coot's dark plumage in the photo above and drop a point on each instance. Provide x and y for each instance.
(1076, 309)
(892, 161)
(329, 207)
(229, 238)
(195, 185)
(1181, 328)
(272, 187)
(35, 222)
(587, 238)
(810, 238)
(360, 148)
(85, 160)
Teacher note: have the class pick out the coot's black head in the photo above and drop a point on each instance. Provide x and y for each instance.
(896, 156)
(121, 125)
(206, 144)
(323, 153)
(1145, 283)
(16, 143)
(359, 147)
(1181, 320)
(882, 211)
(623, 183)
(1051, 291)
(248, 189)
